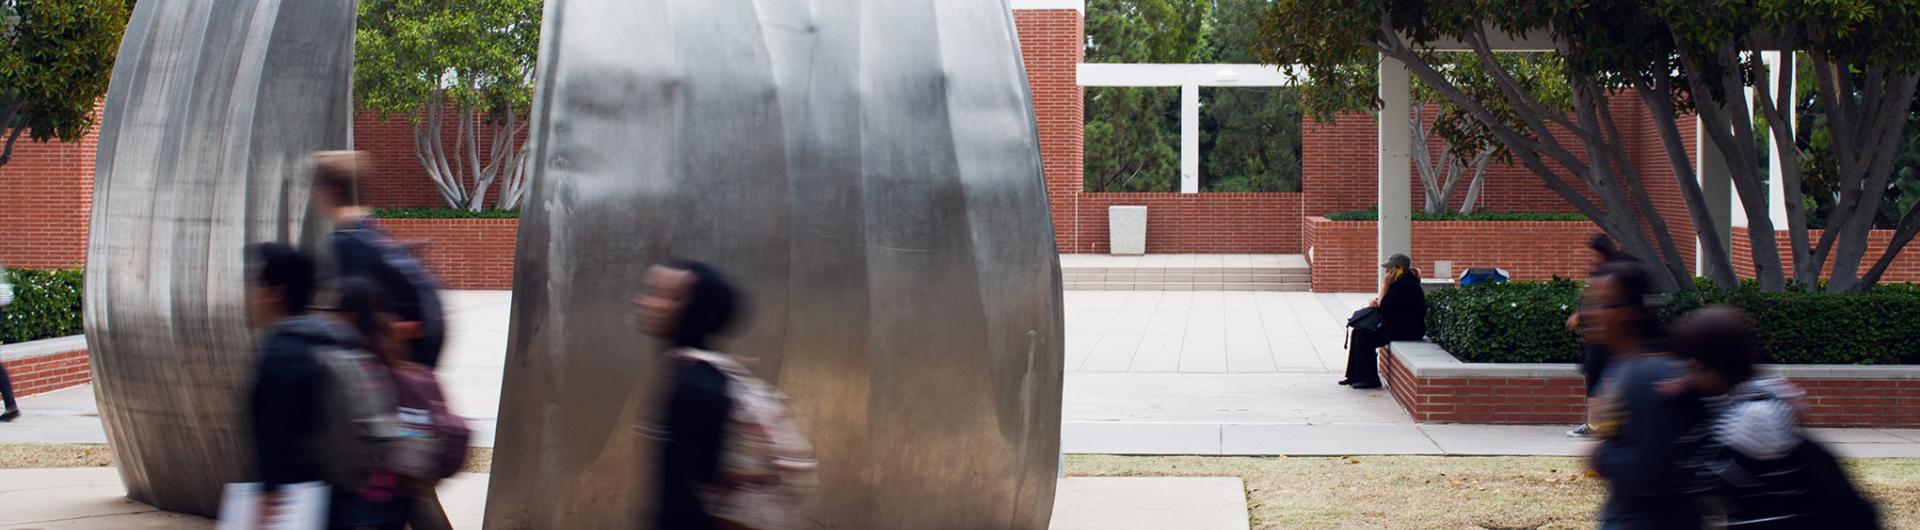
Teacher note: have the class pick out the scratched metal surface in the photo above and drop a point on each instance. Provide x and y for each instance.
(869, 173)
(213, 107)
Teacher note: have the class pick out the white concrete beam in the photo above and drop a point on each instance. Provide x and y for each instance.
(1782, 73)
(1190, 139)
(1716, 182)
(1396, 161)
(1104, 74)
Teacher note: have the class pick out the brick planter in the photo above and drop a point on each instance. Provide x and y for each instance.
(1343, 257)
(1435, 387)
(465, 253)
(44, 366)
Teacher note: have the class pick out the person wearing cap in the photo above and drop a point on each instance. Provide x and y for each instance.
(1403, 307)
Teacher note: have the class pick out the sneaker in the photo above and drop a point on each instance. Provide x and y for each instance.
(1582, 431)
(10, 415)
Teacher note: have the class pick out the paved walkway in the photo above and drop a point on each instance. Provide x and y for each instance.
(1148, 373)
(93, 498)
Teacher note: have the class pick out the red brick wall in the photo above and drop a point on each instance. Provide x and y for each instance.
(1343, 252)
(1905, 268)
(397, 180)
(1339, 171)
(47, 373)
(46, 198)
(1561, 400)
(1186, 223)
(463, 253)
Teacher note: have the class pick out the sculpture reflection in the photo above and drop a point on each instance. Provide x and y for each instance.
(869, 174)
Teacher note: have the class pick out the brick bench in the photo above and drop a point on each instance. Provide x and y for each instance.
(1435, 387)
(44, 366)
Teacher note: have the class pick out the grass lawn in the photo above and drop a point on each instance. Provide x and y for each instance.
(1430, 492)
(1387, 492)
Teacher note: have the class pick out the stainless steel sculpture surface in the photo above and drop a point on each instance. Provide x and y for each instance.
(213, 107)
(869, 173)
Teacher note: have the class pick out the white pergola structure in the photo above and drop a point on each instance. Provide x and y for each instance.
(1395, 227)
(1189, 77)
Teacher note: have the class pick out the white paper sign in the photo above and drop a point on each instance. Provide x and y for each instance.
(302, 507)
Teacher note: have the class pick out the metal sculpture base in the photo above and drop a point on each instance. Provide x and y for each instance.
(214, 106)
(869, 172)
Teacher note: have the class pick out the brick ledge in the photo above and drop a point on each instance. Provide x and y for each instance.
(42, 348)
(1426, 359)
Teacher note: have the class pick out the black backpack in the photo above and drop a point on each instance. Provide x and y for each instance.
(414, 292)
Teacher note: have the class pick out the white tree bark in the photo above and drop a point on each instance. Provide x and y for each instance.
(464, 170)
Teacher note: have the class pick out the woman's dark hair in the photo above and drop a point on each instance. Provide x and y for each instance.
(279, 266)
(1721, 339)
(363, 302)
(711, 309)
(1604, 246)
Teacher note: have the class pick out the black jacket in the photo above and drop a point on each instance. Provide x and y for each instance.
(696, 418)
(285, 405)
(1404, 308)
(1643, 463)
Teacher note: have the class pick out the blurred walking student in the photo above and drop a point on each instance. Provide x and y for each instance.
(361, 249)
(1644, 431)
(730, 457)
(433, 444)
(1401, 312)
(1601, 252)
(12, 409)
(1757, 469)
(321, 409)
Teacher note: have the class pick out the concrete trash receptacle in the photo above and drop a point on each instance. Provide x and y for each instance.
(1127, 230)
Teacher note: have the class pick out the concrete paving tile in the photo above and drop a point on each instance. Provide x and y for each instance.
(1150, 503)
(1506, 439)
(1224, 398)
(1157, 354)
(1873, 436)
(1140, 438)
(1203, 355)
(1340, 439)
(1909, 434)
(1871, 450)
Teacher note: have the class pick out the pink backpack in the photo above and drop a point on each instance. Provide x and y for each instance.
(767, 471)
(433, 441)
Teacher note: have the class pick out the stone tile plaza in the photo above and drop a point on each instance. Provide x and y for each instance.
(1025, 264)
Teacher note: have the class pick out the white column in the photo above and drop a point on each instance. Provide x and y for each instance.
(1396, 162)
(1189, 139)
(1716, 182)
(1782, 73)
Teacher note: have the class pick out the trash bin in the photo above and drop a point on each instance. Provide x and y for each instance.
(1484, 275)
(1127, 230)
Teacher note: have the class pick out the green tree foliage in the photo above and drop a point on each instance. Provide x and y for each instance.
(56, 57)
(1133, 133)
(1677, 57)
(464, 64)
(1250, 136)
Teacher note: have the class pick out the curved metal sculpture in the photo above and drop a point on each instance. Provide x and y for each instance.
(870, 173)
(214, 106)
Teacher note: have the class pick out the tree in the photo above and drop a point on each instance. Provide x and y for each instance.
(1132, 132)
(469, 62)
(1250, 136)
(55, 64)
(1677, 57)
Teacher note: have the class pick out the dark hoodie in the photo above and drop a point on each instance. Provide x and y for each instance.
(286, 398)
(697, 406)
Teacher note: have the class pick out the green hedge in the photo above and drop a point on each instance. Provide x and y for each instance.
(46, 304)
(1372, 214)
(1526, 322)
(430, 213)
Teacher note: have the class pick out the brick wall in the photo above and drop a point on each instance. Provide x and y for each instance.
(47, 373)
(397, 180)
(1905, 268)
(1561, 400)
(1343, 252)
(463, 253)
(1340, 169)
(46, 198)
(1183, 223)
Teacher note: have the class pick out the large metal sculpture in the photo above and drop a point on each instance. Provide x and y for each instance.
(213, 107)
(869, 172)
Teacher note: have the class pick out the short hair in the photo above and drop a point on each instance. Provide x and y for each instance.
(1721, 339)
(1632, 280)
(279, 266)
(1604, 245)
(334, 173)
(712, 307)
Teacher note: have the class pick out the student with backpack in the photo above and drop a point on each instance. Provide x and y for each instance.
(433, 441)
(1757, 470)
(731, 457)
(321, 409)
(361, 249)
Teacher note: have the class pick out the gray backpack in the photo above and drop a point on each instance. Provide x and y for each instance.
(358, 423)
